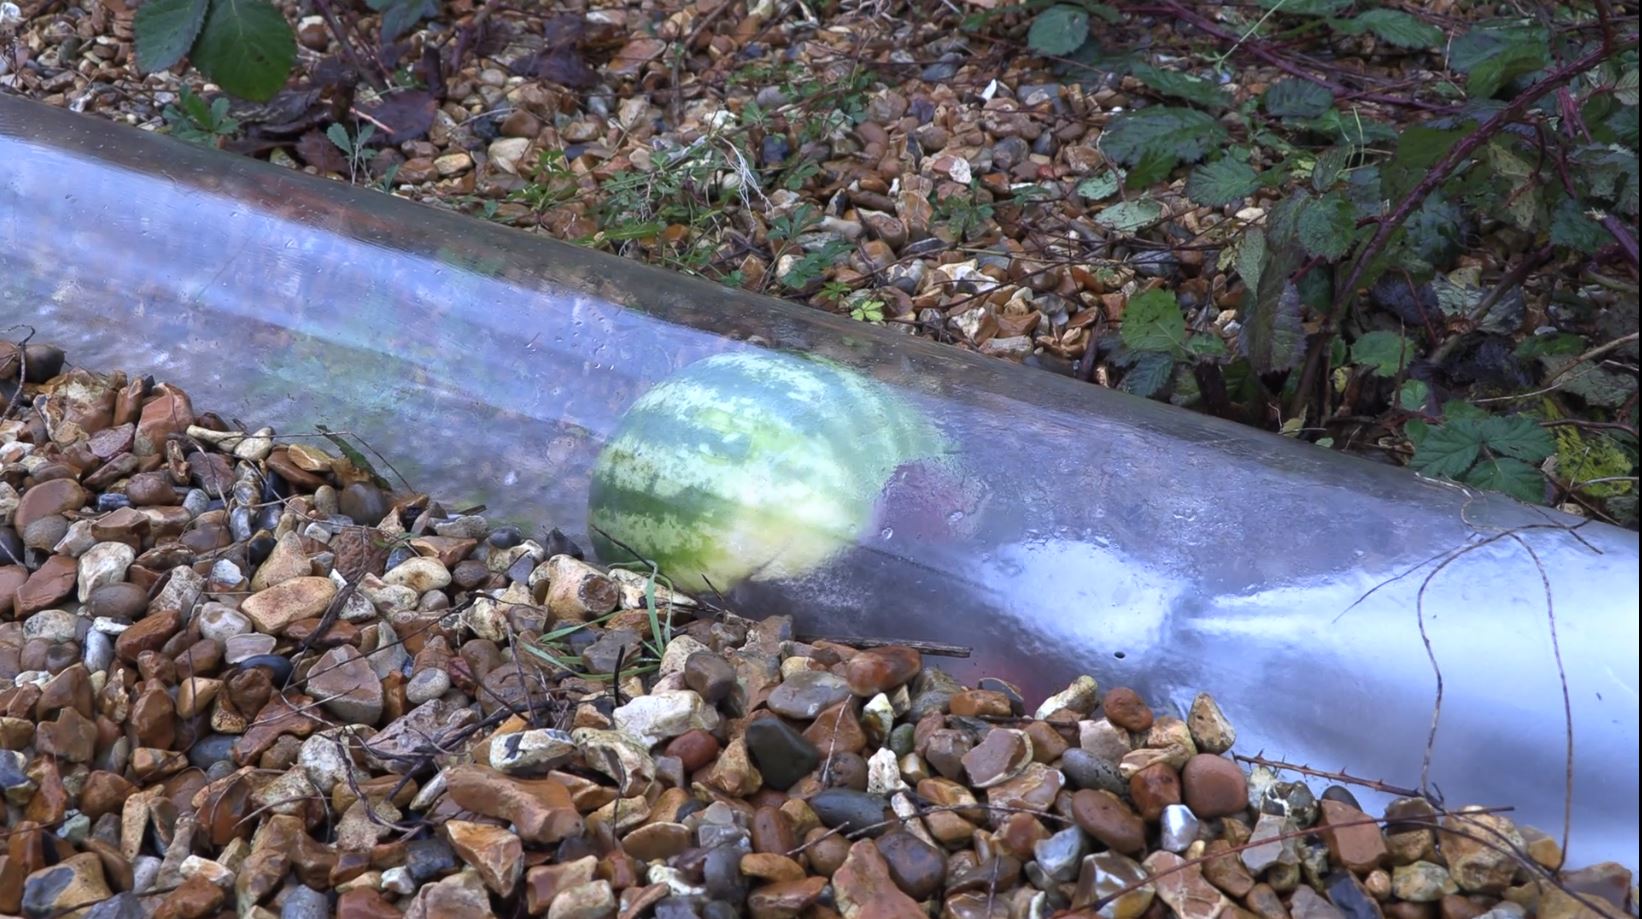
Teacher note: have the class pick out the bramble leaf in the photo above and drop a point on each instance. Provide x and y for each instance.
(1224, 181)
(1058, 30)
(1181, 133)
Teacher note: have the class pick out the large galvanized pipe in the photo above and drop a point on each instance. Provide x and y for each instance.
(1088, 531)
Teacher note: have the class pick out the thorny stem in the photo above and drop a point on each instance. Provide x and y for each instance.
(1434, 177)
(341, 34)
(1259, 50)
(1341, 777)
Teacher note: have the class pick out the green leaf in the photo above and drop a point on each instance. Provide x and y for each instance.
(1207, 345)
(1513, 477)
(1448, 450)
(1327, 227)
(339, 136)
(1098, 186)
(1413, 396)
(1295, 98)
(1329, 165)
(398, 16)
(1152, 322)
(1306, 7)
(1595, 384)
(1351, 128)
(1522, 192)
(1625, 89)
(1398, 28)
(1251, 254)
(1148, 376)
(1224, 181)
(1559, 343)
(1154, 166)
(1182, 133)
(1492, 56)
(247, 47)
(165, 30)
(1058, 30)
(1517, 436)
(1386, 353)
(1272, 336)
(1129, 216)
(1418, 149)
(1572, 227)
(1181, 86)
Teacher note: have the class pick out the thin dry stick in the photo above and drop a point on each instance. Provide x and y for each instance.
(1567, 703)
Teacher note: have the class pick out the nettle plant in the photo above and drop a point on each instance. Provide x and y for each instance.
(1526, 149)
(246, 46)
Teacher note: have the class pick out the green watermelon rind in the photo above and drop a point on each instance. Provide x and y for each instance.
(752, 465)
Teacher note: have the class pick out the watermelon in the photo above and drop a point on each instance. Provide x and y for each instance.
(752, 465)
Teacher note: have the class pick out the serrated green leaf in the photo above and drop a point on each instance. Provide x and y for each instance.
(1523, 197)
(1560, 343)
(1491, 56)
(1572, 227)
(1181, 86)
(1098, 186)
(1595, 384)
(1296, 98)
(1386, 353)
(1416, 429)
(1329, 165)
(1207, 345)
(1306, 7)
(1251, 255)
(1518, 436)
(1625, 89)
(1182, 133)
(1153, 167)
(1224, 181)
(1148, 376)
(1456, 409)
(339, 136)
(1449, 449)
(1398, 28)
(1129, 216)
(1353, 128)
(165, 30)
(1419, 147)
(246, 47)
(1273, 337)
(1513, 477)
(1152, 322)
(1327, 227)
(1058, 30)
(1413, 396)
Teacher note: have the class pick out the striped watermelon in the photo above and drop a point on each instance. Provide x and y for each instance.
(752, 465)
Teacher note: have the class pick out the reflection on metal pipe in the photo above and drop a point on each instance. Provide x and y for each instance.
(1140, 543)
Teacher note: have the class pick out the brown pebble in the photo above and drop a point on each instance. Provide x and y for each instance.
(773, 832)
(879, 670)
(917, 867)
(826, 851)
(118, 601)
(1125, 709)
(1104, 816)
(695, 749)
(1154, 788)
(1214, 786)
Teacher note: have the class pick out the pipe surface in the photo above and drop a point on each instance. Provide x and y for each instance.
(1143, 544)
